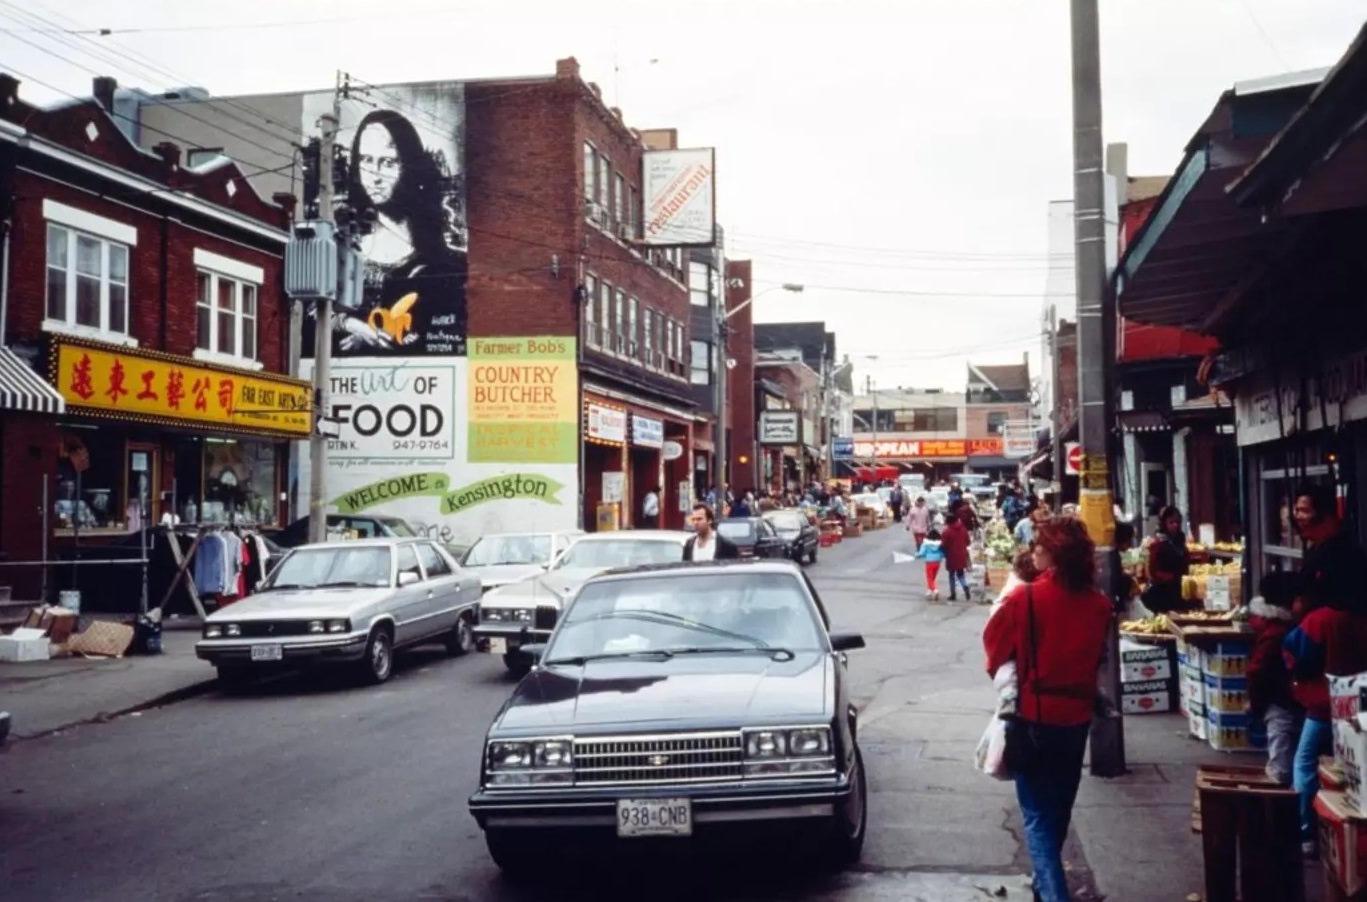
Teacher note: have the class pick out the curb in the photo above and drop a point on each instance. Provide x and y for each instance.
(167, 698)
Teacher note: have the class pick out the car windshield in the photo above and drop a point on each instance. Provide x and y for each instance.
(336, 565)
(666, 614)
(397, 527)
(786, 520)
(512, 549)
(608, 553)
(737, 529)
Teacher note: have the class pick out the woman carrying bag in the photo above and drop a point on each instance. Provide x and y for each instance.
(1054, 629)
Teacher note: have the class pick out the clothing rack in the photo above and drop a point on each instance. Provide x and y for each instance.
(183, 560)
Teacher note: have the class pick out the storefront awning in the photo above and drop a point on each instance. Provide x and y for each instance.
(23, 389)
(1142, 421)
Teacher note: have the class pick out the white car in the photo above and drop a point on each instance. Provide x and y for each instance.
(510, 557)
(525, 613)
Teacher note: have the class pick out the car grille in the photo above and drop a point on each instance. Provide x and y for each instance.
(264, 629)
(682, 758)
(545, 618)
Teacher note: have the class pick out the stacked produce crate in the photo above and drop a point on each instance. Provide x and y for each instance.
(1148, 675)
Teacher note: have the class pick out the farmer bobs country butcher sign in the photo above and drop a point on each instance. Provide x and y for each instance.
(451, 501)
(523, 400)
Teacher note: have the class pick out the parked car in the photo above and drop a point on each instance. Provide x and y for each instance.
(352, 602)
(525, 612)
(754, 537)
(509, 557)
(796, 529)
(679, 701)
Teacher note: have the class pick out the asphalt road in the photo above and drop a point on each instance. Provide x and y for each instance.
(304, 789)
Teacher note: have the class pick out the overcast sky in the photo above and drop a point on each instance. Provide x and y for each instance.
(896, 158)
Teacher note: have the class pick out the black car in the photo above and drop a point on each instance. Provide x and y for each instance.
(800, 537)
(753, 537)
(679, 702)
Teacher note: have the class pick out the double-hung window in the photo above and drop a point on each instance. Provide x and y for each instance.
(226, 307)
(87, 272)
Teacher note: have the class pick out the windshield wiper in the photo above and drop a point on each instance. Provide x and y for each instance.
(286, 586)
(778, 654)
(579, 660)
(343, 584)
(680, 620)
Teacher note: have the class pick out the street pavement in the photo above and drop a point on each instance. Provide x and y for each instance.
(306, 788)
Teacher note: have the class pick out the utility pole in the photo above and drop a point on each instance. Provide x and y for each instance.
(322, 333)
(721, 379)
(1094, 498)
(1060, 465)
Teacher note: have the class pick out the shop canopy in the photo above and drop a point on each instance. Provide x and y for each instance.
(1199, 250)
(23, 389)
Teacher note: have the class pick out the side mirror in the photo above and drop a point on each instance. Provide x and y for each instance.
(846, 641)
(534, 651)
(408, 578)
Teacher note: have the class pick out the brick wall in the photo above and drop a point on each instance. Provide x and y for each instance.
(740, 388)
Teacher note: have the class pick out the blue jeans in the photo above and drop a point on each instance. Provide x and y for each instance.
(958, 578)
(1046, 794)
(1317, 738)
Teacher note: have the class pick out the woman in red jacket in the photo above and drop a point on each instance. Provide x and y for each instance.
(1055, 630)
(955, 540)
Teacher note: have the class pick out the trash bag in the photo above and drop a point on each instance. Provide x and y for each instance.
(990, 756)
(147, 634)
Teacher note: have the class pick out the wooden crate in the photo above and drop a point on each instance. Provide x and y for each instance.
(1250, 836)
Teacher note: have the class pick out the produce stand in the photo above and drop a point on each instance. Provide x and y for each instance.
(1212, 656)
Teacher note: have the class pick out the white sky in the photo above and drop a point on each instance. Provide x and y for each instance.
(864, 148)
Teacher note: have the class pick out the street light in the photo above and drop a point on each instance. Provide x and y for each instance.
(721, 316)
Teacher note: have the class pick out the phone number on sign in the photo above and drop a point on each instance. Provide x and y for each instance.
(422, 444)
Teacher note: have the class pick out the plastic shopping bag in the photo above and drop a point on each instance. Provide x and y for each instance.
(990, 756)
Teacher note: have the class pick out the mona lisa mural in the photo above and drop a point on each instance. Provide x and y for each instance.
(404, 147)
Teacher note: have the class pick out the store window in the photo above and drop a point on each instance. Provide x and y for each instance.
(226, 307)
(240, 483)
(87, 281)
(91, 490)
(1279, 480)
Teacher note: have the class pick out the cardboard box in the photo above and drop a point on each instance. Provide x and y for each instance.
(1347, 696)
(1227, 695)
(1197, 726)
(1141, 662)
(1341, 840)
(1225, 663)
(1350, 753)
(1234, 732)
(1218, 596)
(1153, 697)
(25, 644)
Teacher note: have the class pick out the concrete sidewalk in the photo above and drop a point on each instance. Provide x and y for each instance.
(43, 697)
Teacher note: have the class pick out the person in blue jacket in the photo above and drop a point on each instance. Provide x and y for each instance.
(933, 553)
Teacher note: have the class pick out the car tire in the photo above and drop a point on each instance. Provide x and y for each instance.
(234, 679)
(518, 857)
(461, 640)
(518, 664)
(377, 665)
(845, 845)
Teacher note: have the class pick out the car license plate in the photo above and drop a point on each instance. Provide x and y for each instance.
(267, 653)
(654, 817)
(498, 646)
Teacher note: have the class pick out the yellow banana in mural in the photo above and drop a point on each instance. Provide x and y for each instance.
(396, 321)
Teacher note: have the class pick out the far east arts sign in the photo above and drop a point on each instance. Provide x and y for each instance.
(928, 448)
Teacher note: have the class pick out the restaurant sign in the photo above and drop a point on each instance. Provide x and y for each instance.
(149, 387)
(897, 449)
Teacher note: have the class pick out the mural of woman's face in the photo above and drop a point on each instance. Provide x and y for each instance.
(378, 167)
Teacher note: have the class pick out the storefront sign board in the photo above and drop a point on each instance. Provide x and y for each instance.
(146, 386)
(523, 400)
(928, 448)
(780, 427)
(606, 424)
(1339, 387)
(647, 432)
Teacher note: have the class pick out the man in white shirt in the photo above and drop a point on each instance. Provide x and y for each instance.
(650, 509)
(706, 544)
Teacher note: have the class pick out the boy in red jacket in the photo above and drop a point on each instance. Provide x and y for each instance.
(1270, 696)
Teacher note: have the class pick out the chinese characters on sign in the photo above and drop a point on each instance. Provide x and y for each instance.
(125, 382)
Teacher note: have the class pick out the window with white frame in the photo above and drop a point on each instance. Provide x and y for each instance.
(632, 340)
(604, 184)
(621, 321)
(619, 200)
(605, 315)
(648, 337)
(590, 173)
(591, 309)
(87, 280)
(699, 283)
(226, 306)
(700, 363)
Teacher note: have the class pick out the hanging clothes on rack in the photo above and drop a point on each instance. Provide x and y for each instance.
(210, 569)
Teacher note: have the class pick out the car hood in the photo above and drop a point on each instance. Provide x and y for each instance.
(548, 589)
(711, 691)
(502, 574)
(292, 604)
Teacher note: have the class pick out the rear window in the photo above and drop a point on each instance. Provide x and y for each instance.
(736, 529)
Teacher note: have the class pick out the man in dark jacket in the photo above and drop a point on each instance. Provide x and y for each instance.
(955, 541)
(706, 544)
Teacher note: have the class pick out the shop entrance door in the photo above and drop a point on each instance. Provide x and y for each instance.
(142, 484)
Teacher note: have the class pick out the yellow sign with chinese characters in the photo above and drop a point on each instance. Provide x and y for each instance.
(149, 387)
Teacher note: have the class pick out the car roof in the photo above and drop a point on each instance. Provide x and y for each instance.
(537, 532)
(741, 519)
(659, 535)
(700, 568)
(371, 542)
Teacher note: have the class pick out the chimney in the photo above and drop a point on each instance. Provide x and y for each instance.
(103, 89)
(567, 69)
(9, 91)
(169, 152)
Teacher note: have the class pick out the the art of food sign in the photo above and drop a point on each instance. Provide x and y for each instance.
(523, 400)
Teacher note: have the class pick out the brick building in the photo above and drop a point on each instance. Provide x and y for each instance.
(537, 238)
(143, 342)
(998, 396)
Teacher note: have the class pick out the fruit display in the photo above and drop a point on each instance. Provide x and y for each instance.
(1204, 616)
(1149, 626)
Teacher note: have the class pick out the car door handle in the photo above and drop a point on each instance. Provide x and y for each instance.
(430, 593)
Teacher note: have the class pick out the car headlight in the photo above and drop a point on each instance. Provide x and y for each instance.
(530, 762)
(795, 751)
(232, 629)
(506, 615)
(213, 631)
(339, 626)
(315, 626)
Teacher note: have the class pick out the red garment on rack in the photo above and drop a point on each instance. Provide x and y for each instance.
(242, 574)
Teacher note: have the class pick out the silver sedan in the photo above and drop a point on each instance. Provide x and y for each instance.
(351, 602)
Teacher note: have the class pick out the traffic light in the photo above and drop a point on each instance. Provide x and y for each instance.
(341, 170)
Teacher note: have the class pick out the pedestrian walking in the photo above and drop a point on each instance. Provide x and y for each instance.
(955, 541)
(918, 521)
(1054, 628)
(933, 554)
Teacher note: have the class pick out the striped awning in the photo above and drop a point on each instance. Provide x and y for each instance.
(23, 389)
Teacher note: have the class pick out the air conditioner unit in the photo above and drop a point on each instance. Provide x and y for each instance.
(624, 231)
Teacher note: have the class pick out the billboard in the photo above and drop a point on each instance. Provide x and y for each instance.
(679, 197)
(405, 148)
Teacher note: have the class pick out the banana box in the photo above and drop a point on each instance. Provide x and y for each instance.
(1152, 697)
(1234, 732)
(1197, 726)
(1226, 659)
(1141, 662)
(1226, 695)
